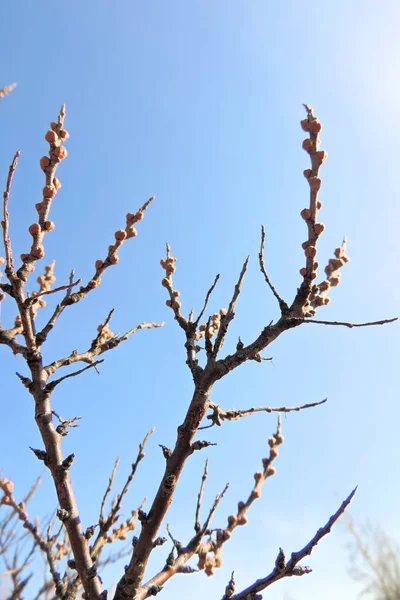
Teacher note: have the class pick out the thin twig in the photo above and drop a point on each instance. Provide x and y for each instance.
(210, 291)
(197, 525)
(226, 319)
(292, 568)
(218, 415)
(9, 270)
(282, 304)
(41, 336)
(61, 288)
(50, 386)
(214, 507)
(108, 490)
(351, 325)
(107, 523)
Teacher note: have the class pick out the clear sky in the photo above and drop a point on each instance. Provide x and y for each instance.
(199, 102)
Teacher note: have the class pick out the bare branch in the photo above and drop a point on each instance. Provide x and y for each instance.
(9, 269)
(210, 291)
(7, 337)
(112, 257)
(214, 507)
(218, 415)
(282, 304)
(103, 342)
(61, 288)
(292, 568)
(226, 319)
(351, 325)
(197, 526)
(108, 489)
(41, 336)
(106, 523)
(50, 386)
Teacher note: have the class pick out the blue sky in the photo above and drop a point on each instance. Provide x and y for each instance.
(199, 103)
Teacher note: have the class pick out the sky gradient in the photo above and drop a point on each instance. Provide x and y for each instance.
(199, 103)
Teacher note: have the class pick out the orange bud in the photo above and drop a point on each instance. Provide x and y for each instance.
(310, 251)
(60, 152)
(307, 144)
(256, 493)
(319, 228)
(39, 206)
(48, 225)
(93, 283)
(335, 280)
(315, 183)
(64, 135)
(120, 235)
(56, 183)
(113, 258)
(315, 126)
(165, 282)
(305, 124)
(37, 251)
(322, 155)
(98, 264)
(339, 252)
(51, 137)
(53, 125)
(49, 191)
(44, 162)
(303, 272)
(232, 520)
(34, 229)
(131, 232)
(306, 214)
(307, 173)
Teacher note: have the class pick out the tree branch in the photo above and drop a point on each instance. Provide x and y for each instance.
(218, 415)
(282, 304)
(291, 568)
